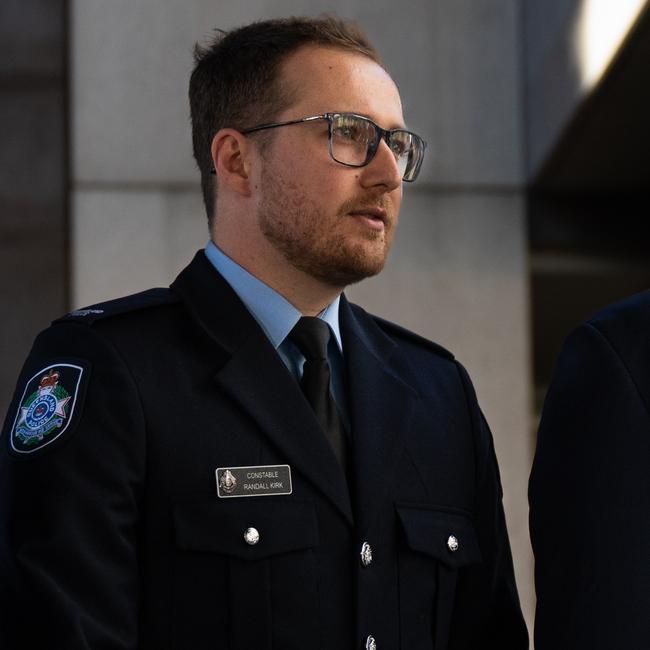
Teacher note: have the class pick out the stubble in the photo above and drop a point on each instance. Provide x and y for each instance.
(318, 244)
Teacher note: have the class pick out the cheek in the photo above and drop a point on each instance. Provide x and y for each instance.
(307, 176)
(396, 200)
(342, 182)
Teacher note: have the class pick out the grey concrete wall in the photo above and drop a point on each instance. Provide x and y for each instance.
(458, 272)
(553, 88)
(129, 238)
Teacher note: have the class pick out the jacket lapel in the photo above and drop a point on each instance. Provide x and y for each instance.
(382, 407)
(252, 373)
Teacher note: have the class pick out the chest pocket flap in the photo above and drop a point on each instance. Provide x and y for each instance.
(448, 537)
(218, 526)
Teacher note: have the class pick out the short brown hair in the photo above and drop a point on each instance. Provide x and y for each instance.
(234, 82)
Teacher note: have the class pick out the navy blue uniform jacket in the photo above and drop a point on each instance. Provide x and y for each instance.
(113, 536)
(590, 487)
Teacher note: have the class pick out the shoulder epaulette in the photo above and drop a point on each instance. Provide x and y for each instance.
(134, 302)
(403, 333)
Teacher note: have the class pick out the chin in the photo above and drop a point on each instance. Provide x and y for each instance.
(342, 272)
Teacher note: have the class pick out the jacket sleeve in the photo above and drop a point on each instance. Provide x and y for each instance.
(487, 612)
(589, 503)
(69, 511)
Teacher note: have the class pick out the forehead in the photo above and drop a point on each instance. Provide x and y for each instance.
(326, 80)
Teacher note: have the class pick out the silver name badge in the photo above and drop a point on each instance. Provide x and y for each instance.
(253, 481)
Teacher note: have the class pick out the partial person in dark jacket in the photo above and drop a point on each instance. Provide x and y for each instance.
(245, 460)
(590, 487)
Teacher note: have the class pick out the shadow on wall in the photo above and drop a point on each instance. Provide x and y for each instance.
(588, 195)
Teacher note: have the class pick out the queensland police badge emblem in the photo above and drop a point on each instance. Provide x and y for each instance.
(228, 482)
(46, 407)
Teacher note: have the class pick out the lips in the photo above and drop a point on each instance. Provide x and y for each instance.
(373, 213)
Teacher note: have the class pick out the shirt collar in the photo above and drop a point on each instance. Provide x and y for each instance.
(274, 313)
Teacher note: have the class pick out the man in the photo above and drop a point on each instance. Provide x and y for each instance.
(590, 487)
(177, 472)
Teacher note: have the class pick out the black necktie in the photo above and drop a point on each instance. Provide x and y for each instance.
(311, 336)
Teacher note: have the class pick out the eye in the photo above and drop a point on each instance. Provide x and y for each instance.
(398, 148)
(400, 143)
(352, 129)
(347, 129)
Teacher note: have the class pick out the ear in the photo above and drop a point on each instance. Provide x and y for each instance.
(231, 157)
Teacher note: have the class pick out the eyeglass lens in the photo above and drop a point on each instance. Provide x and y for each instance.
(354, 141)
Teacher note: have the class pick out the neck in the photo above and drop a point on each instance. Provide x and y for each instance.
(309, 295)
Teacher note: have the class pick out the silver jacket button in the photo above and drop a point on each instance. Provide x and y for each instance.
(251, 536)
(371, 644)
(366, 554)
(452, 544)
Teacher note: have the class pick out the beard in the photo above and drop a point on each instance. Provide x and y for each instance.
(319, 244)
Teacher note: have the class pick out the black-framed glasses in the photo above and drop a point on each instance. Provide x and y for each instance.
(354, 140)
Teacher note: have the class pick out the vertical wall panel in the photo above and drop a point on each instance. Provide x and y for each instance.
(33, 182)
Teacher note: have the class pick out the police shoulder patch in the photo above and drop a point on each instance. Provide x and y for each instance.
(46, 408)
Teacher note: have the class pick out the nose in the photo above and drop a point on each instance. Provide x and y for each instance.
(382, 170)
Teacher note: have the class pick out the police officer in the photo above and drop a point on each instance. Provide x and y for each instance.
(246, 460)
(590, 487)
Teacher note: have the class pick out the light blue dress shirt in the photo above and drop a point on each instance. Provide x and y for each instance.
(277, 317)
